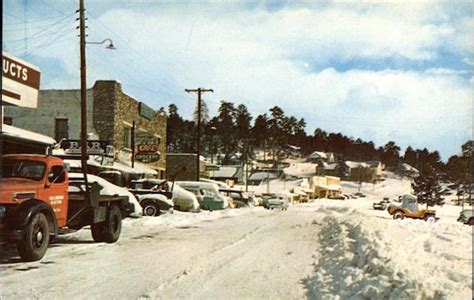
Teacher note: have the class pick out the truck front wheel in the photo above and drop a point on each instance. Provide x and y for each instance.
(398, 215)
(109, 230)
(35, 242)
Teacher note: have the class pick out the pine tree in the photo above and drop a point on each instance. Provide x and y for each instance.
(427, 188)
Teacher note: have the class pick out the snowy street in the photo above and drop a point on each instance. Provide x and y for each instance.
(254, 254)
(326, 249)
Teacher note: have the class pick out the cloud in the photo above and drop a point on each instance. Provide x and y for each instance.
(286, 54)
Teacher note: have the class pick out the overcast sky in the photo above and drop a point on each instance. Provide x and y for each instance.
(376, 71)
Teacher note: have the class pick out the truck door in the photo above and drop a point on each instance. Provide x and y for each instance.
(57, 191)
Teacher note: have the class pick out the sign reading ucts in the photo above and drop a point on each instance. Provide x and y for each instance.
(20, 82)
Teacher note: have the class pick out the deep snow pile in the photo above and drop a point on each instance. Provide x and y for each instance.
(365, 257)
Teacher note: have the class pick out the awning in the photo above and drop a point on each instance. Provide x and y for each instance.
(26, 135)
(139, 168)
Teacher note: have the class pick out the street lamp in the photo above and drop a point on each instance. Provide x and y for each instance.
(109, 46)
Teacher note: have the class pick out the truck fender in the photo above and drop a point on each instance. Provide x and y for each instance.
(25, 212)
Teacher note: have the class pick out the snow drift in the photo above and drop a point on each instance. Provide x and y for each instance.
(364, 257)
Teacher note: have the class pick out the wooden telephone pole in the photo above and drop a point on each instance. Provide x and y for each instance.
(82, 43)
(199, 92)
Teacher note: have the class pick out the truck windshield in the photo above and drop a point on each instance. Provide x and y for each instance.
(28, 169)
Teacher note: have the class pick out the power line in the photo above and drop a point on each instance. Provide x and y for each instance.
(127, 44)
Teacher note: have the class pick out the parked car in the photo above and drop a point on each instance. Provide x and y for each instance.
(409, 209)
(206, 193)
(275, 202)
(157, 195)
(185, 200)
(382, 205)
(337, 197)
(359, 194)
(466, 216)
(239, 198)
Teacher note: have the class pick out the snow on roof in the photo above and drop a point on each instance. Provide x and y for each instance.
(318, 154)
(327, 166)
(219, 183)
(225, 172)
(373, 163)
(356, 164)
(138, 168)
(262, 176)
(301, 169)
(26, 135)
(407, 167)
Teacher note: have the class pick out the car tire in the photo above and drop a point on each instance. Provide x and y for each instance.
(470, 221)
(398, 215)
(151, 209)
(35, 242)
(429, 218)
(109, 230)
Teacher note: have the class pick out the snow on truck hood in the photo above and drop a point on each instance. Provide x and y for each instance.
(110, 189)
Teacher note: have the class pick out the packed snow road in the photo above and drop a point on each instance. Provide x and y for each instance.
(247, 253)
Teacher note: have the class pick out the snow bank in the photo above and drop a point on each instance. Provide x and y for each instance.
(365, 257)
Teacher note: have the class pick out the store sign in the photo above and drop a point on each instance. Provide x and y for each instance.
(212, 168)
(148, 158)
(146, 111)
(20, 82)
(94, 147)
(147, 147)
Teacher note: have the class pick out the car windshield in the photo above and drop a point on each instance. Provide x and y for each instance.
(28, 169)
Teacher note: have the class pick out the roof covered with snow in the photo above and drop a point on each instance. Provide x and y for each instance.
(356, 164)
(225, 172)
(262, 176)
(318, 154)
(407, 167)
(27, 135)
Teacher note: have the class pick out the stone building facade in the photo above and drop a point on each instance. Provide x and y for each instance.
(111, 116)
(183, 166)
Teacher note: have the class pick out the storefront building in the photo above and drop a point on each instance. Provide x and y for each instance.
(20, 87)
(112, 116)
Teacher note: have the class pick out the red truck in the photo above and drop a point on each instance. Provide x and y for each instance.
(35, 205)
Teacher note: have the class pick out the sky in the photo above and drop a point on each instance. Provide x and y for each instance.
(380, 71)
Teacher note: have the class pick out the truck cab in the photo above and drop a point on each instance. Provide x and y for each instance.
(35, 204)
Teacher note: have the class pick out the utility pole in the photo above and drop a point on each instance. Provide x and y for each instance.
(199, 92)
(246, 159)
(82, 43)
(133, 144)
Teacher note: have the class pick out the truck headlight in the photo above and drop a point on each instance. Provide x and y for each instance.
(3, 211)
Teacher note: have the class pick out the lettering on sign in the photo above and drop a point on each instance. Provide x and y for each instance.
(147, 147)
(95, 147)
(19, 72)
(147, 158)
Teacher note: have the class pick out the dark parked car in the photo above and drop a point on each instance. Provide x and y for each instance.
(382, 205)
(275, 202)
(239, 198)
(466, 217)
(154, 196)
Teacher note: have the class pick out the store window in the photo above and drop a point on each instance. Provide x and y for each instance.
(61, 129)
(7, 120)
(127, 137)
